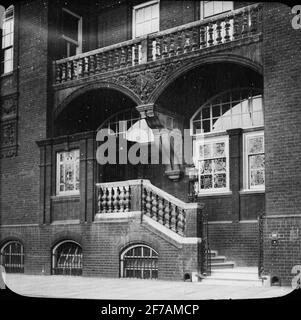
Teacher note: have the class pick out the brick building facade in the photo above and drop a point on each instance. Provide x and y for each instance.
(227, 72)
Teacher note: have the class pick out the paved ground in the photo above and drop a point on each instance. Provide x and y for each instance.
(132, 289)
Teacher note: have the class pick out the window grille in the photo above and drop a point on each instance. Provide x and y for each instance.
(139, 261)
(12, 257)
(67, 259)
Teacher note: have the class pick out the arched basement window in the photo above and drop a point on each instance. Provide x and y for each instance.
(240, 108)
(139, 261)
(67, 259)
(12, 257)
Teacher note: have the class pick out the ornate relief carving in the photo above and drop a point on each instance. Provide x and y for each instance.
(9, 108)
(143, 83)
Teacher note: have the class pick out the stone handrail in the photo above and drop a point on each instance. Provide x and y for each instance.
(141, 195)
(197, 35)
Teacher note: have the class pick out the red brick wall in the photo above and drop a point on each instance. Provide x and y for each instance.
(19, 182)
(237, 241)
(102, 244)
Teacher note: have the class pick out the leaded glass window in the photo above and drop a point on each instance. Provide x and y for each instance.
(255, 175)
(211, 157)
(68, 172)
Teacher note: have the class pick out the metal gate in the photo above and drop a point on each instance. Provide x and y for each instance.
(67, 259)
(205, 247)
(12, 257)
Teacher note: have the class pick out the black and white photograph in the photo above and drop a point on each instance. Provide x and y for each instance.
(150, 150)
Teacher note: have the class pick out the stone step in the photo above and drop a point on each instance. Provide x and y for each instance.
(216, 259)
(234, 276)
(213, 253)
(239, 270)
(222, 265)
(231, 282)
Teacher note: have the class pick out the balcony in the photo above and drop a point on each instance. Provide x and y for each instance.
(235, 27)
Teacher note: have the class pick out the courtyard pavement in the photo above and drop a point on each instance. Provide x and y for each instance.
(133, 289)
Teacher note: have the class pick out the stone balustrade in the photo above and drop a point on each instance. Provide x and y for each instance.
(228, 27)
(141, 195)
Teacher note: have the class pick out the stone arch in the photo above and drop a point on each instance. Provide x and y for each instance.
(197, 62)
(86, 88)
(65, 236)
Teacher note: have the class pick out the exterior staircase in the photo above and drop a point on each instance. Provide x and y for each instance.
(225, 272)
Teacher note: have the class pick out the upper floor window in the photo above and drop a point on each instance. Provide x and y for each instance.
(146, 18)
(68, 172)
(234, 109)
(72, 33)
(7, 41)
(211, 8)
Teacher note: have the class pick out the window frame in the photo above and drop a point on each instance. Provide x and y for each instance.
(79, 43)
(58, 162)
(246, 166)
(202, 17)
(140, 6)
(201, 141)
(11, 46)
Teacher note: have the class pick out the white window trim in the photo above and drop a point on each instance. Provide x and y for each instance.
(78, 43)
(246, 182)
(139, 6)
(10, 8)
(202, 10)
(199, 141)
(58, 192)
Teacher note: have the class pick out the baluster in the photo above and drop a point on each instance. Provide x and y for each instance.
(154, 213)
(164, 47)
(181, 222)
(80, 67)
(69, 70)
(160, 210)
(179, 47)
(104, 200)
(115, 199)
(110, 199)
(99, 200)
(75, 69)
(210, 33)
(171, 45)
(167, 214)
(148, 204)
(122, 58)
(254, 14)
(236, 26)
(187, 42)
(104, 61)
(98, 63)
(109, 60)
(129, 61)
(173, 219)
(64, 72)
(245, 24)
(136, 54)
(195, 40)
(158, 48)
(121, 199)
(218, 32)
(116, 63)
(227, 29)
(143, 201)
(86, 64)
(92, 64)
(58, 76)
(127, 198)
(203, 43)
